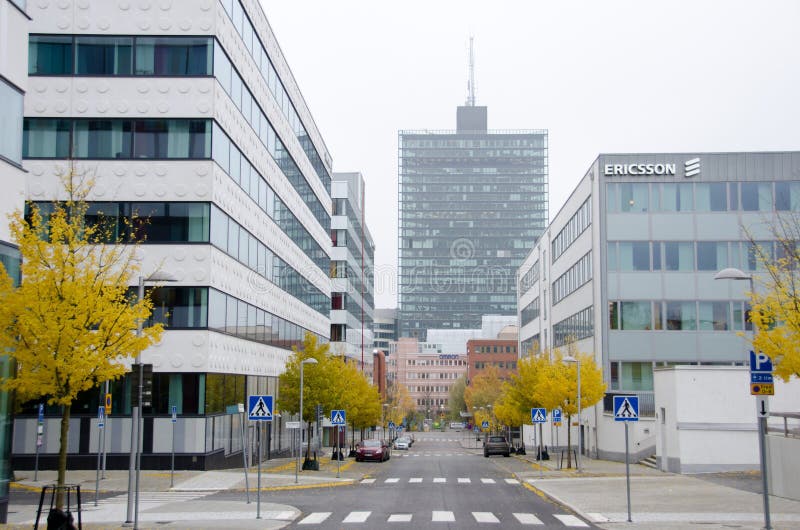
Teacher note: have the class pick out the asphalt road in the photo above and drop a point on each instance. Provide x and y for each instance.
(436, 484)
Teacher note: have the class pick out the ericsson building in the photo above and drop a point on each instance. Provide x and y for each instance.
(626, 271)
(185, 112)
(472, 201)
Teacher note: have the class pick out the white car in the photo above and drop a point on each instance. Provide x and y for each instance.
(402, 443)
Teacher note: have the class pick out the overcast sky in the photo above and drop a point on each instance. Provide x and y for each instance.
(602, 77)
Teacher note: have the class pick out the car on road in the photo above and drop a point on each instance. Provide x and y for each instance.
(377, 450)
(496, 445)
(402, 443)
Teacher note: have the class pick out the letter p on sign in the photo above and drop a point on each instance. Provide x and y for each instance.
(760, 362)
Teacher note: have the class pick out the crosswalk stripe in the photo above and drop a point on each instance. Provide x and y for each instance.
(527, 518)
(598, 518)
(315, 518)
(399, 518)
(464, 481)
(392, 480)
(443, 517)
(368, 481)
(570, 520)
(512, 481)
(415, 480)
(485, 517)
(487, 480)
(356, 517)
(439, 480)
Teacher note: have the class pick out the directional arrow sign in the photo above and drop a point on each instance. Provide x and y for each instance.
(762, 406)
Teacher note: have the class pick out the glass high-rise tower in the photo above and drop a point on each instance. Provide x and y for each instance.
(471, 204)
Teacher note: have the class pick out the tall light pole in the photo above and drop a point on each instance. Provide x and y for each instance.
(732, 273)
(310, 360)
(132, 515)
(571, 359)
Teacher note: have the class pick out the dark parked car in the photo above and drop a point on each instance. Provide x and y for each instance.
(378, 450)
(496, 445)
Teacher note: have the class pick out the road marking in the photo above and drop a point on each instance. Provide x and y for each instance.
(443, 517)
(598, 518)
(439, 480)
(464, 481)
(356, 517)
(527, 518)
(512, 481)
(487, 480)
(368, 481)
(315, 518)
(485, 517)
(392, 480)
(415, 480)
(399, 518)
(570, 520)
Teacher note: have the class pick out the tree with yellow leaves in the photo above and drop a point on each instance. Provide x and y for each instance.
(400, 403)
(69, 325)
(482, 394)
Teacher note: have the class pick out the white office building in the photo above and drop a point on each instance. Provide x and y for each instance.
(626, 269)
(352, 263)
(186, 112)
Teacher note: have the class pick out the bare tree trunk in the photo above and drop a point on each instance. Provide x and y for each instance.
(569, 441)
(62, 457)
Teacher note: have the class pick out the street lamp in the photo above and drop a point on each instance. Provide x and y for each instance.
(732, 273)
(310, 360)
(132, 515)
(571, 359)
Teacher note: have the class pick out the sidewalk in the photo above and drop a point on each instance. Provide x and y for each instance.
(182, 505)
(659, 500)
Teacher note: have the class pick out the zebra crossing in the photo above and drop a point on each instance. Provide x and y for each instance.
(398, 454)
(444, 516)
(439, 480)
(153, 497)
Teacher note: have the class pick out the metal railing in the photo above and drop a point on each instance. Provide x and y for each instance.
(791, 424)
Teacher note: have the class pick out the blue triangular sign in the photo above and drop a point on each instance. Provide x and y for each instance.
(625, 410)
(538, 416)
(260, 409)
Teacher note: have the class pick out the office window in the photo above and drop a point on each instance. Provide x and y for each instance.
(676, 197)
(172, 139)
(174, 56)
(787, 196)
(756, 196)
(634, 255)
(679, 256)
(635, 316)
(681, 315)
(636, 376)
(10, 123)
(103, 139)
(711, 197)
(714, 316)
(179, 307)
(633, 197)
(711, 256)
(49, 55)
(46, 138)
(103, 56)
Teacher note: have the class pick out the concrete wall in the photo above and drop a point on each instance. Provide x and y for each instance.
(783, 466)
(706, 420)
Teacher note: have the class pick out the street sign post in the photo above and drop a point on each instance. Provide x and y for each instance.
(762, 385)
(259, 408)
(626, 409)
(101, 418)
(338, 419)
(39, 434)
(173, 420)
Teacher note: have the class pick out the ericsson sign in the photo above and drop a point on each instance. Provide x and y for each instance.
(639, 169)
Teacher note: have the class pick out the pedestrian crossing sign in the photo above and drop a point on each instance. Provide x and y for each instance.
(338, 417)
(538, 415)
(259, 408)
(626, 408)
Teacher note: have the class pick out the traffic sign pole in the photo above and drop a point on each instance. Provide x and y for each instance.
(100, 423)
(761, 385)
(39, 433)
(258, 487)
(172, 465)
(627, 472)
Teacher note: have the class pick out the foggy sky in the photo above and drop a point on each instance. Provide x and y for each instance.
(633, 76)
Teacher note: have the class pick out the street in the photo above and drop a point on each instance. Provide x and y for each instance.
(436, 484)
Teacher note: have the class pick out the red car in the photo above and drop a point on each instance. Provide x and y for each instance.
(377, 450)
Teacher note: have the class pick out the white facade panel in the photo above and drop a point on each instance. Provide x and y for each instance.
(14, 34)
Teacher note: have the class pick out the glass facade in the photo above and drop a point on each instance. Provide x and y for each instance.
(10, 123)
(471, 206)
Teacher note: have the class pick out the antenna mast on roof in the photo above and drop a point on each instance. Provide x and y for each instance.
(471, 81)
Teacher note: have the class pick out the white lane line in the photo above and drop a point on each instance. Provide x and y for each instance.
(415, 480)
(443, 517)
(527, 518)
(570, 520)
(368, 481)
(392, 480)
(512, 481)
(485, 517)
(439, 480)
(315, 518)
(356, 517)
(464, 481)
(399, 518)
(487, 480)
(598, 518)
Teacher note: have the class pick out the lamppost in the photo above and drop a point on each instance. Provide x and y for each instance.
(132, 515)
(571, 359)
(732, 273)
(310, 360)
